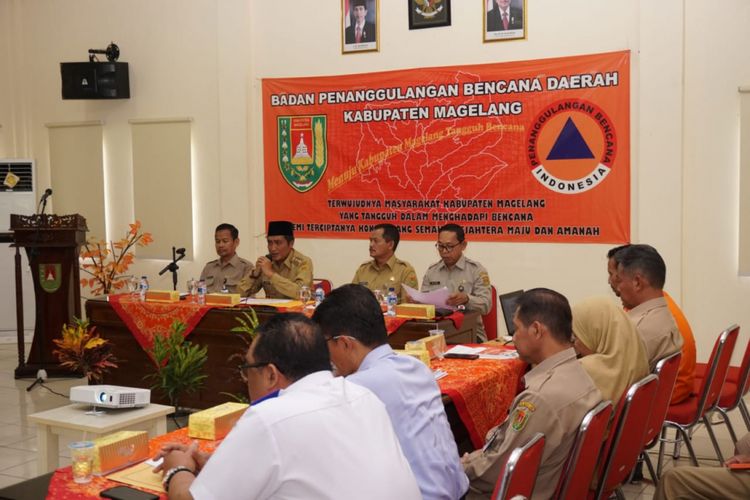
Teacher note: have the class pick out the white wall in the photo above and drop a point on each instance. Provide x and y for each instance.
(205, 59)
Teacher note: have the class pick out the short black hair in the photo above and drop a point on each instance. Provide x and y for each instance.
(390, 233)
(550, 308)
(293, 343)
(454, 228)
(352, 310)
(645, 260)
(224, 226)
(614, 253)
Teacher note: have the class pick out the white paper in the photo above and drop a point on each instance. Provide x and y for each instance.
(502, 355)
(264, 302)
(464, 349)
(154, 463)
(440, 374)
(438, 297)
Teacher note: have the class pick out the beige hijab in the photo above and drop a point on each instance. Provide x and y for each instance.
(619, 358)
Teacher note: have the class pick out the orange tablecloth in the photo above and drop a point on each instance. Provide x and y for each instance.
(482, 391)
(62, 487)
(393, 323)
(147, 319)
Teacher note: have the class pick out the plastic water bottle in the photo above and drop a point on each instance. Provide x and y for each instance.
(143, 288)
(202, 292)
(391, 300)
(320, 294)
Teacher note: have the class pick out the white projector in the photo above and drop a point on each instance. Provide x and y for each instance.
(110, 396)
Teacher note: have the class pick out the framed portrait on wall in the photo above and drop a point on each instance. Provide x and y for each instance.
(429, 13)
(504, 20)
(360, 20)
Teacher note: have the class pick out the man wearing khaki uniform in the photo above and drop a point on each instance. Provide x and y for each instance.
(558, 394)
(229, 269)
(641, 273)
(466, 279)
(385, 271)
(284, 270)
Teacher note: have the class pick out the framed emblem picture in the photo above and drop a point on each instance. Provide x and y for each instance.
(429, 13)
(504, 20)
(360, 21)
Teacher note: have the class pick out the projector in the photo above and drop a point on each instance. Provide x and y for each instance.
(110, 396)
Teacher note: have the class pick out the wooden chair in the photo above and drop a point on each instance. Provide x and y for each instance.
(580, 465)
(736, 385)
(626, 436)
(325, 284)
(490, 319)
(684, 416)
(666, 371)
(519, 473)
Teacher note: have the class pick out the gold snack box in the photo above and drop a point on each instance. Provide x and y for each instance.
(215, 423)
(421, 354)
(118, 450)
(421, 311)
(434, 344)
(162, 296)
(223, 299)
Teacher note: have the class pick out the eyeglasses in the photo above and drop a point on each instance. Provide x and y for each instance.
(244, 367)
(446, 248)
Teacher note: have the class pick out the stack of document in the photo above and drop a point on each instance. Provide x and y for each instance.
(484, 352)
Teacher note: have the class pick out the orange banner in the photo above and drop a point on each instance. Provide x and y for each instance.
(521, 151)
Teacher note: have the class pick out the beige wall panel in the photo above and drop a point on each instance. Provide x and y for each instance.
(744, 256)
(77, 173)
(162, 185)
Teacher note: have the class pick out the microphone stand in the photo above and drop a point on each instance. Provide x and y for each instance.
(172, 267)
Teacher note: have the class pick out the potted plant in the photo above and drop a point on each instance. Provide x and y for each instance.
(248, 322)
(82, 350)
(106, 263)
(179, 364)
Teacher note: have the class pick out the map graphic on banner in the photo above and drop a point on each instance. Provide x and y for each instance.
(535, 151)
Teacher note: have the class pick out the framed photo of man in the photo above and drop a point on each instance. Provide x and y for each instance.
(504, 20)
(429, 13)
(359, 25)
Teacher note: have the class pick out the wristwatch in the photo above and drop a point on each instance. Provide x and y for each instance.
(171, 473)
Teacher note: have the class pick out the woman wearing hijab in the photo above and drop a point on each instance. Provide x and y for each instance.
(611, 350)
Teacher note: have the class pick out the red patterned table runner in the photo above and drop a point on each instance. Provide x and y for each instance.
(393, 323)
(62, 487)
(147, 319)
(482, 391)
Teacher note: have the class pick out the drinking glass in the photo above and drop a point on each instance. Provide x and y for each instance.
(304, 294)
(82, 460)
(132, 283)
(192, 289)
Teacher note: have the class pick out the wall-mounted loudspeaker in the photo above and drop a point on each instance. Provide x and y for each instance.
(95, 80)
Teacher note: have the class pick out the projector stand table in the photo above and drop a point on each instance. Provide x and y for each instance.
(72, 421)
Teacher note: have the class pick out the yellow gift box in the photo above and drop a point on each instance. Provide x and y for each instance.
(162, 296)
(223, 299)
(118, 450)
(434, 345)
(421, 311)
(421, 354)
(215, 423)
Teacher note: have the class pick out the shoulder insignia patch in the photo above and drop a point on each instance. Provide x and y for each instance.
(521, 415)
(485, 278)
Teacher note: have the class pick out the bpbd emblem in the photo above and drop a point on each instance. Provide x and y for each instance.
(303, 150)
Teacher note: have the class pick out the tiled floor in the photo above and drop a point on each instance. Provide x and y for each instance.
(18, 437)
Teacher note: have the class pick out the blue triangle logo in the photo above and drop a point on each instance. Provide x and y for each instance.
(570, 144)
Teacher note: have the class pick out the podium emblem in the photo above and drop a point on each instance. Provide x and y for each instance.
(302, 150)
(50, 277)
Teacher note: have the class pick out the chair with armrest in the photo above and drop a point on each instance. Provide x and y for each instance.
(687, 414)
(490, 319)
(323, 283)
(519, 474)
(626, 437)
(666, 371)
(580, 465)
(736, 386)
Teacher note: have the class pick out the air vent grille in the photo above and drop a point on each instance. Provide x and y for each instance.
(23, 171)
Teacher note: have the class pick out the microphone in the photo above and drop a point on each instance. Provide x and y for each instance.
(180, 251)
(43, 201)
(47, 194)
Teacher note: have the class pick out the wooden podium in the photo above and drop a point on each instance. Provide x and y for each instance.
(52, 246)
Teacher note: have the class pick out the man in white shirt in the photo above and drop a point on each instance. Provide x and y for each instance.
(352, 322)
(307, 434)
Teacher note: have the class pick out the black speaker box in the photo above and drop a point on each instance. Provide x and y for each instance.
(95, 80)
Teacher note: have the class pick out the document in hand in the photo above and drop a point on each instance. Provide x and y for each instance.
(437, 297)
